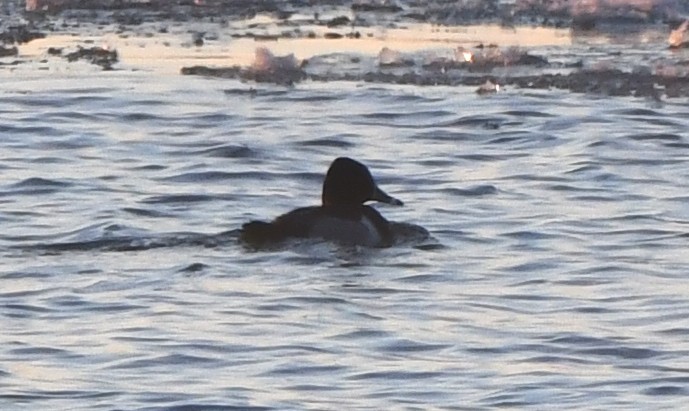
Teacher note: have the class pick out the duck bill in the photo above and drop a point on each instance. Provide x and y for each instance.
(383, 197)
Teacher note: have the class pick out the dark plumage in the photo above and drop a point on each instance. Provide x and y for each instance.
(342, 217)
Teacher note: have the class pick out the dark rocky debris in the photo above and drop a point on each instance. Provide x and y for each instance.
(26, 20)
(20, 34)
(8, 51)
(95, 55)
(612, 82)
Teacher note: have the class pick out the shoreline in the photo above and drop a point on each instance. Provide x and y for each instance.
(627, 60)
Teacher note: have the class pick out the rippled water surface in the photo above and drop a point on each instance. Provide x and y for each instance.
(559, 276)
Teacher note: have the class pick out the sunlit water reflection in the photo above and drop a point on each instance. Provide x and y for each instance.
(559, 279)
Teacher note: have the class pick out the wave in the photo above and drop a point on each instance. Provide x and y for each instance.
(134, 241)
(118, 238)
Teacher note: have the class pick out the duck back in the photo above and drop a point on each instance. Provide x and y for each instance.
(360, 225)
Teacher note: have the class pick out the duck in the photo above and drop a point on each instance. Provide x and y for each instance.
(343, 217)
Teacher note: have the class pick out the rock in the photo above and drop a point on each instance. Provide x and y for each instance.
(266, 68)
(381, 8)
(8, 51)
(339, 21)
(393, 58)
(19, 34)
(197, 39)
(99, 56)
(488, 88)
(225, 72)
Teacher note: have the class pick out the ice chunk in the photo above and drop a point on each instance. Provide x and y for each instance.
(393, 58)
(677, 36)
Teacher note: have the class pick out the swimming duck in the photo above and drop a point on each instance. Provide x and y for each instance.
(342, 217)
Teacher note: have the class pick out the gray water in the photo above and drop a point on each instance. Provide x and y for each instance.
(557, 276)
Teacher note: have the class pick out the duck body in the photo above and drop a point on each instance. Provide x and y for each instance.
(342, 218)
(361, 225)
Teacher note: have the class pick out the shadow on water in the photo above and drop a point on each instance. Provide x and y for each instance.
(117, 238)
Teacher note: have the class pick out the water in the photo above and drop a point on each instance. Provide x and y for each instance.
(558, 277)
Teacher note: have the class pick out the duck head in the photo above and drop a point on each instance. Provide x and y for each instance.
(348, 182)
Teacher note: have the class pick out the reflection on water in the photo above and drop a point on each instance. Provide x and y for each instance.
(169, 51)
